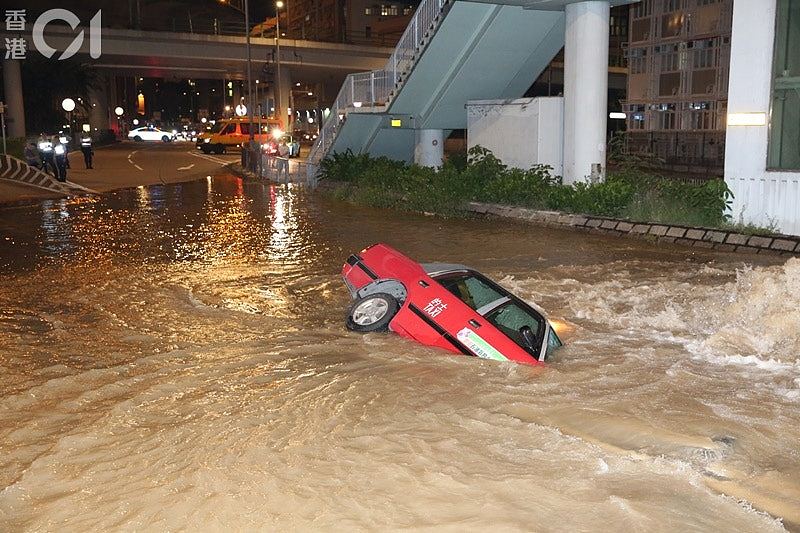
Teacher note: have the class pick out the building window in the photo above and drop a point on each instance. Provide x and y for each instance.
(784, 140)
(637, 59)
(666, 116)
(619, 26)
(642, 9)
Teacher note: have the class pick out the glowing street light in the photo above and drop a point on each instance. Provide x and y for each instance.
(68, 105)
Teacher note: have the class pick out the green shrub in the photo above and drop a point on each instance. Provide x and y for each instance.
(627, 193)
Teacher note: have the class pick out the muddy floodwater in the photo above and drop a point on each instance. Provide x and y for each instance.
(175, 358)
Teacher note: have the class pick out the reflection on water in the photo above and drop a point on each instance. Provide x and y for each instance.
(174, 357)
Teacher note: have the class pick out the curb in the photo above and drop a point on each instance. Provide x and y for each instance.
(696, 237)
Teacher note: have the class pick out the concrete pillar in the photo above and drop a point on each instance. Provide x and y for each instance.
(15, 112)
(429, 148)
(98, 105)
(585, 90)
(285, 96)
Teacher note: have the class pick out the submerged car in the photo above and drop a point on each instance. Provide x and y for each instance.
(445, 305)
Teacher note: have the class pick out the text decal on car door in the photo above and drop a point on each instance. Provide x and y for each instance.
(435, 307)
(478, 346)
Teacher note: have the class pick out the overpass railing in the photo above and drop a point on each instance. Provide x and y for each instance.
(236, 28)
(373, 91)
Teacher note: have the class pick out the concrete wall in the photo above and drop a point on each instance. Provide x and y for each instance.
(761, 196)
(522, 132)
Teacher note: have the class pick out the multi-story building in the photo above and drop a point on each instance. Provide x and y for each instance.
(350, 21)
(678, 58)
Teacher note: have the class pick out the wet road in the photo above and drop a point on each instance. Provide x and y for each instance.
(174, 358)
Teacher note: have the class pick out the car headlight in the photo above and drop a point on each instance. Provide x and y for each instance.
(206, 140)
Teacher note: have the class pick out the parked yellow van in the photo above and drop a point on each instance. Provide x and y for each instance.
(233, 133)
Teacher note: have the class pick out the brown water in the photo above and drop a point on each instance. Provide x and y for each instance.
(174, 358)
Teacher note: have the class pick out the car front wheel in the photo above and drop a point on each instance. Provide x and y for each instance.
(137, 139)
(372, 313)
(165, 139)
(220, 149)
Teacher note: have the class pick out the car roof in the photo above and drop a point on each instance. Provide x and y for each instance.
(434, 269)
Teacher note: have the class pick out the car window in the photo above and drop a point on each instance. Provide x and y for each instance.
(472, 290)
(511, 317)
(228, 129)
(553, 342)
(244, 128)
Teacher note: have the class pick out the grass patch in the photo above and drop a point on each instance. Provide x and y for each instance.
(626, 193)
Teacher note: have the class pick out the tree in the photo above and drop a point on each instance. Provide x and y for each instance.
(46, 82)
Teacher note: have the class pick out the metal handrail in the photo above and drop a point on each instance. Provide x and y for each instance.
(375, 89)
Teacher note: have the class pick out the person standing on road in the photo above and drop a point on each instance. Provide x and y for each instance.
(283, 159)
(45, 146)
(86, 148)
(60, 152)
(65, 139)
(32, 155)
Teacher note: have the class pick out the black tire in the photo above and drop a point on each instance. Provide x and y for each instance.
(220, 149)
(205, 149)
(165, 139)
(137, 139)
(378, 320)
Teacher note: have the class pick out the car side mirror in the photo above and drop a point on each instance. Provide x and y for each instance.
(528, 337)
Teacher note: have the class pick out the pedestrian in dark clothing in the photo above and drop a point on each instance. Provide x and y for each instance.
(45, 146)
(60, 151)
(65, 140)
(86, 148)
(32, 155)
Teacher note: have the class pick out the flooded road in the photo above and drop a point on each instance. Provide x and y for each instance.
(175, 358)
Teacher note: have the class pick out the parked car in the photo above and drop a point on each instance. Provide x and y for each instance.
(151, 133)
(445, 305)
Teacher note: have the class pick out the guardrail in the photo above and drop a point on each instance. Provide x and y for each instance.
(276, 169)
(375, 89)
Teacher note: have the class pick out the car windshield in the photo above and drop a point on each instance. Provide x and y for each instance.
(216, 128)
(470, 289)
(511, 317)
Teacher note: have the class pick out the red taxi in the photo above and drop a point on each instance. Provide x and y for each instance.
(444, 305)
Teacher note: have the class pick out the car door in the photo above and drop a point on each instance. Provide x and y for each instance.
(488, 329)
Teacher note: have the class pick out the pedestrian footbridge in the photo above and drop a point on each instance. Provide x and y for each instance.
(457, 50)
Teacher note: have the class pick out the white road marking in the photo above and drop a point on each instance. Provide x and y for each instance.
(130, 155)
(186, 168)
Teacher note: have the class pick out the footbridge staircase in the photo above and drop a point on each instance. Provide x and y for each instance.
(451, 52)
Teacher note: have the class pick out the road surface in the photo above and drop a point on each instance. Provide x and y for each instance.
(129, 164)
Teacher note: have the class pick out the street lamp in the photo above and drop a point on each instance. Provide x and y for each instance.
(119, 112)
(278, 7)
(68, 105)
